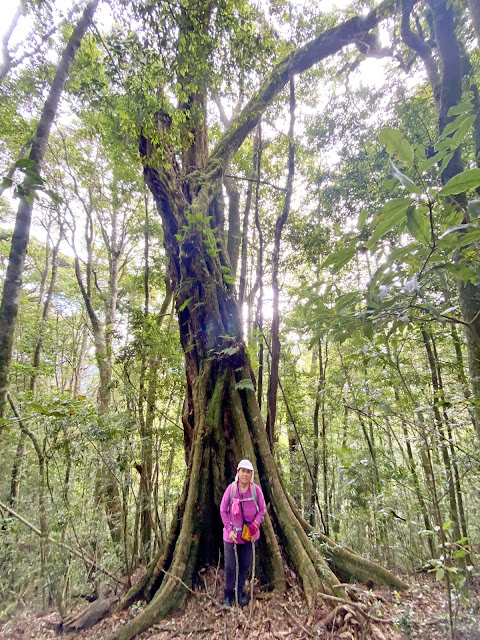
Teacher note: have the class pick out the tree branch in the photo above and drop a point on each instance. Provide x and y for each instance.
(326, 44)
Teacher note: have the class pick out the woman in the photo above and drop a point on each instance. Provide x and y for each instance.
(242, 503)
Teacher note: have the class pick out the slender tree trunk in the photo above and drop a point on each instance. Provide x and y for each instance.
(462, 379)
(259, 322)
(320, 410)
(442, 438)
(246, 214)
(411, 458)
(145, 468)
(78, 368)
(453, 454)
(45, 314)
(21, 235)
(16, 470)
(474, 6)
(7, 58)
(275, 333)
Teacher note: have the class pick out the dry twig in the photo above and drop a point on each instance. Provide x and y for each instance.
(307, 631)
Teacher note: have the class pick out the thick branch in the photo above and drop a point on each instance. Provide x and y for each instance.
(417, 44)
(328, 43)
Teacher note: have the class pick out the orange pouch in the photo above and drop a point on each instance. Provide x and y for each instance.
(246, 533)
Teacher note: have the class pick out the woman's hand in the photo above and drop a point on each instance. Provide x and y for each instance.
(253, 528)
(233, 536)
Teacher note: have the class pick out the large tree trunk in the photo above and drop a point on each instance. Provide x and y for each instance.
(221, 416)
(21, 234)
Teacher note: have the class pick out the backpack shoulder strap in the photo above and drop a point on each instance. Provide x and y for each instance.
(254, 496)
(233, 489)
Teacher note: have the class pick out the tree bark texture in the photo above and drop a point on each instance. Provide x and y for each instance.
(21, 234)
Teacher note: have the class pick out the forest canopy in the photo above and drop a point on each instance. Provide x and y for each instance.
(228, 230)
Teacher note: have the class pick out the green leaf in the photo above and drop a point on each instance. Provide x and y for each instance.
(339, 259)
(473, 208)
(34, 177)
(229, 351)
(367, 328)
(419, 225)
(460, 553)
(462, 130)
(391, 215)
(454, 125)
(6, 183)
(384, 406)
(461, 182)
(445, 162)
(446, 526)
(440, 574)
(463, 107)
(362, 218)
(396, 144)
(429, 162)
(244, 384)
(456, 227)
(55, 198)
(185, 304)
(25, 163)
(345, 299)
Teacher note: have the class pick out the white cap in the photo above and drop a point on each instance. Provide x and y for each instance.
(245, 464)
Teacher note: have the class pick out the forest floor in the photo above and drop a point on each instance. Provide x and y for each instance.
(421, 613)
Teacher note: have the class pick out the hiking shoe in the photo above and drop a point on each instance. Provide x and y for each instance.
(227, 602)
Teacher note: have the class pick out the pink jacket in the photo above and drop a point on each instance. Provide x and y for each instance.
(250, 512)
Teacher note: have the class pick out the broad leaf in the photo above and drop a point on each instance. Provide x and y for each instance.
(391, 215)
(462, 130)
(419, 225)
(454, 125)
(462, 182)
(339, 259)
(473, 208)
(396, 144)
(463, 107)
(428, 164)
(34, 177)
(25, 163)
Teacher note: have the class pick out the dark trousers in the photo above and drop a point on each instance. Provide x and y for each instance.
(245, 554)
